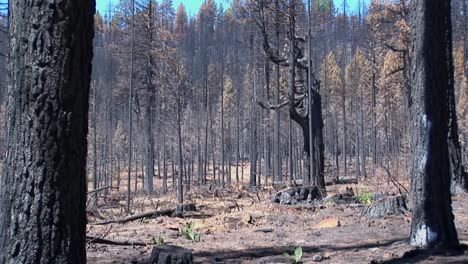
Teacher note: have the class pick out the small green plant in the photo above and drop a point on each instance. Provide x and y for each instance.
(160, 240)
(297, 258)
(190, 233)
(365, 197)
(331, 201)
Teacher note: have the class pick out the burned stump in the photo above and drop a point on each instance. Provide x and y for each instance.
(347, 197)
(297, 195)
(387, 205)
(183, 208)
(167, 254)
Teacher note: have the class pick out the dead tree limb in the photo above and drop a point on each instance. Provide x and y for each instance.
(152, 214)
(101, 189)
(97, 240)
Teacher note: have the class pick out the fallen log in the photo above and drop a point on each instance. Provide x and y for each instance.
(171, 212)
(97, 240)
(101, 189)
(152, 214)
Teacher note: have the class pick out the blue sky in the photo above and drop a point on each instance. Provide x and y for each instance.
(193, 5)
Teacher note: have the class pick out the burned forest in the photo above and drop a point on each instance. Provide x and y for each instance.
(233, 131)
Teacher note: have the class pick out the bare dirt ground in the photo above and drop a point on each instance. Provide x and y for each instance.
(240, 226)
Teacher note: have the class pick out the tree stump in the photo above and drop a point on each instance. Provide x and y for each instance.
(388, 205)
(167, 254)
(186, 207)
(297, 195)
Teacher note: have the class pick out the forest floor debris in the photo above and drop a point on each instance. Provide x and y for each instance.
(240, 227)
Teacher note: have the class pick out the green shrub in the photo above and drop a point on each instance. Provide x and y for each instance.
(190, 233)
(365, 197)
(160, 240)
(297, 258)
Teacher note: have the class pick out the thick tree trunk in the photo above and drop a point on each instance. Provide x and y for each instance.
(43, 185)
(432, 220)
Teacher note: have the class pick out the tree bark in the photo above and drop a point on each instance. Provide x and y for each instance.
(180, 188)
(151, 101)
(130, 110)
(432, 221)
(278, 174)
(43, 185)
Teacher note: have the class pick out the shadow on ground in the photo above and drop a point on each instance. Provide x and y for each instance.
(456, 256)
(275, 254)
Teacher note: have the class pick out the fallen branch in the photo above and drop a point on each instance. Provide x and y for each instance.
(152, 214)
(97, 240)
(101, 189)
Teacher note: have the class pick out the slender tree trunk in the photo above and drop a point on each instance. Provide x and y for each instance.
(336, 147)
(362, 141)
(290, 156)
(356, 124)
(95, 173)
(432, 221)
(199, 154)
(118, 172)
(253, 145)
(223, 175)
(43, 184)
(130, 110)
(277, 130)
(180, 188)
(373, 109)
(164, 183)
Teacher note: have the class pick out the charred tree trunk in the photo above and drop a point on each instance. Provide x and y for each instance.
(276, 148)
(180, 167)
(432, 221)
(151, 101)
(130, 110)
(43, 185)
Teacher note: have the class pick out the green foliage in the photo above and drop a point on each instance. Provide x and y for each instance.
(365, 197)
(160, 240)
(190, 233)
(297, 258)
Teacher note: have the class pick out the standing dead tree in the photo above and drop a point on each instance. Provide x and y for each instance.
(301, 100)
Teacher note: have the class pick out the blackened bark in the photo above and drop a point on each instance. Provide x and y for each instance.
(164, 183)
(151, 101)
(278, 174)
(180, 188)
(43, 188)
(432, 220)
